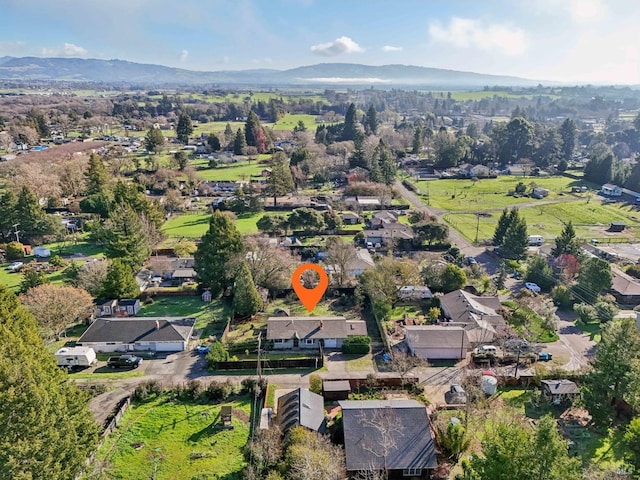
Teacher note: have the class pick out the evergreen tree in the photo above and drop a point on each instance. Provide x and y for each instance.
(357, 158)
(568, 132)
(214, 142)
(540, 273)
(181, 159)
(501, 228)
(387, 163)
(246, 299)
(154, 140)
(566, 242)
(417, 140)
(46, 429)
(280, 181)
(97, 175)
(184, 128)
(218, 248)
(350, 128)
(239, 143)
(371, 121)
(516, 238)
(594, 278)
(124, 237)
(228, 134)
(9, 218)
(32, 279)
(254, 133)
(29, 214)
(120, 281)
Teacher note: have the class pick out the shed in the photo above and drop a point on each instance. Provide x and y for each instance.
(617, 226)
(559, 391)
(42, 252)
(336, 389)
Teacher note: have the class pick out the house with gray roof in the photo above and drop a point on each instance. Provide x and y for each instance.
(301, 407)
(392, 435)
(625, 288)
(480, 316)
(559, 391)
(437, 342)
(310, 332)
(158, 334)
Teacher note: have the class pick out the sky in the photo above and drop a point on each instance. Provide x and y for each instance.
(575, 41)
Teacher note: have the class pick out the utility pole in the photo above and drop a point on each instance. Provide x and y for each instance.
(259, 367)
(16, 232)
(477, 227)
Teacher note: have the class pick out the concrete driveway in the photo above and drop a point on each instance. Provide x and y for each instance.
(574, 345)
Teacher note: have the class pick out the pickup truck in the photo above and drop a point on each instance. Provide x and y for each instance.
(124, 361)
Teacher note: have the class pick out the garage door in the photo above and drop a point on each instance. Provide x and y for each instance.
(330, 343)
(169, 346)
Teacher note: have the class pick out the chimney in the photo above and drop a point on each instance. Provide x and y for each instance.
(321, 324)
(157, 324)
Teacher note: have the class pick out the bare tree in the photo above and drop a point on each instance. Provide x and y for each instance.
(313, 457)
(403, 363)
(91, 276)
(387, 427)
(340, 255)
(57, 306)
(271, 266)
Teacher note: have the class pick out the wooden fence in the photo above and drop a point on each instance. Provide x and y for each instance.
(315, 362)
(115, 420)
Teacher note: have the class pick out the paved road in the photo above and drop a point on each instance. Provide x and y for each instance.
(573, 343)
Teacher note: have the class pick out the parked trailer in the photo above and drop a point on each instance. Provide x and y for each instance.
(75, 357)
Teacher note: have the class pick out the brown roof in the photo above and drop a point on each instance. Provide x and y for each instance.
(624, 284)
(313, 327)
(436, 336)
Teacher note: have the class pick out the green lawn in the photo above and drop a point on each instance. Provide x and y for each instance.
(210, 317)
(195, 225)
(591, 329)
(241, 171)
(359, 363)
(590, 219)
(289, 121)
(167, 440)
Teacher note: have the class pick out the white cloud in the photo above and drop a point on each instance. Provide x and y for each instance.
(339, 45)
(184, 54)
(470, 33)
(67, 50)
(390, 48)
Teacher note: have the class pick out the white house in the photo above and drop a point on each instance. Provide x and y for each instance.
(308, 332)
(611, 190)
(159, 334)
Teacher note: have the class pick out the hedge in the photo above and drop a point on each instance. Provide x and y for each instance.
(357, 344)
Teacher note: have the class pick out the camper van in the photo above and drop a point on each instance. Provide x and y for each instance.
(75, 357)
(536, 240)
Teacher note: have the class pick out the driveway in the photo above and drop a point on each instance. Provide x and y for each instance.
(574, 345)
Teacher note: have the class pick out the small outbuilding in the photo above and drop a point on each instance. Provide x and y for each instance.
(336, 389)
(559, 391)
(301, 407)
(617, 226)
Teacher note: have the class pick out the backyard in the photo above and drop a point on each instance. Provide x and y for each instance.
(165, 439)
(195, 225)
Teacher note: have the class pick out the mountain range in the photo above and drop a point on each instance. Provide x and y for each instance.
(320, 75)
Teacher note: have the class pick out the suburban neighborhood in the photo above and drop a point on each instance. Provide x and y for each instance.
(473, 254)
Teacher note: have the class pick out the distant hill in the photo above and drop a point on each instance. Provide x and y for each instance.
(322, 75)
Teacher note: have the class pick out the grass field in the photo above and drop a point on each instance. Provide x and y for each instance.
(166, 440)
(211, 317)
(194, 225)
(290, 120)
(241, 171)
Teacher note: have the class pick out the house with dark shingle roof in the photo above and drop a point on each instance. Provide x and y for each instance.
(308, 332)
(301, 407)
(625, 288)
(158, 334)
(559, 391)
(480, 316)
(388, 434)
(437, 342)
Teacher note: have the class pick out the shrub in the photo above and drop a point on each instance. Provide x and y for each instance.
(57, 261)
(191, 391)
(219, 390)
(251, 385)
(315, 384)
(14, 251)
(146, 390)
(561, 296)
(359, 344)
(217, 353)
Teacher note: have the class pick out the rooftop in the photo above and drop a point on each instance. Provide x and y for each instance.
(131, 330)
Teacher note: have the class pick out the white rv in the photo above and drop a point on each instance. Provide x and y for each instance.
(536, 240)
(76, 357)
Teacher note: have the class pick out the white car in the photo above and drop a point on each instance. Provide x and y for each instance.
(534, 287)
(15, 266)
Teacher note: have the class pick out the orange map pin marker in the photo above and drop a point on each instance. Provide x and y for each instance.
(309, 296)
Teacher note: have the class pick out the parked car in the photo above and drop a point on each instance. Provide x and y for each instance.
(15, 266)
(485, 350)
(203, 349)
(124, 361)
(471, 261)
(545, 356)
(532, 286)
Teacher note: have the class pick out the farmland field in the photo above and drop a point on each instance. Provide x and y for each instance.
(168, 439)
(194, 225)
(241, 171)
(289, 121)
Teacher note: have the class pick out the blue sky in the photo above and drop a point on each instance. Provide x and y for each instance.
(562, 40)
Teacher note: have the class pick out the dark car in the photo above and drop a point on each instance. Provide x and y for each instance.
(124, 361)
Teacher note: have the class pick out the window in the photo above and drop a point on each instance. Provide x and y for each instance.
(309, 341)
(279, 340)
(411, 472)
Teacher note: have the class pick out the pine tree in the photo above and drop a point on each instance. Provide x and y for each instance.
(568, 132)
(280, 181)
(97, 175)
(417, 140)
(239, 143)
(254, 133)
(350, 128)
(387, 164)
(516, 239)
(501, 228)
(357, 158)
(566, 242)
(46, 429)
(246, 299)
(120, 281)
(29, 213)
(371, 120)
(124, 237)
(218, 248)
(214, 142)
(154, 140)
(184, 128)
